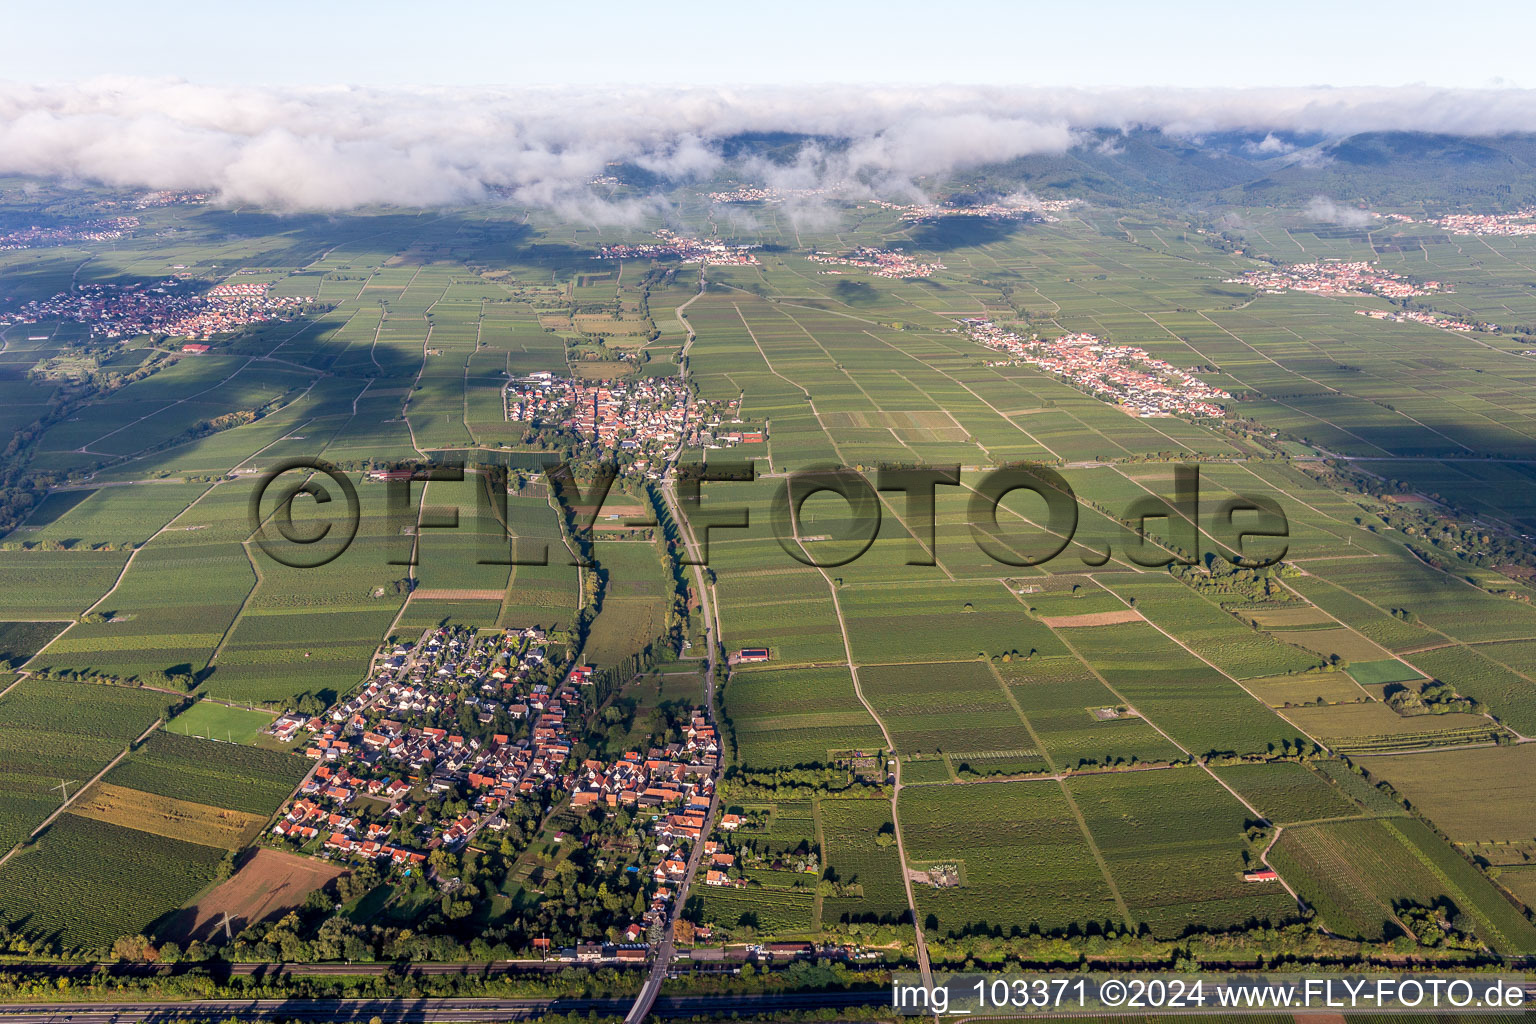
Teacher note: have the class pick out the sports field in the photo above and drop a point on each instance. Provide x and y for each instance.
(212, 720)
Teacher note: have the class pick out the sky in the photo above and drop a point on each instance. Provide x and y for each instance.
(386, 43)
(339, 105)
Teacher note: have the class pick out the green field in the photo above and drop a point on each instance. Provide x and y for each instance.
(62, 733)
(19, 641)
(852, 850)
(797, 716)
(1024, 860)
(1045, 717)
(1354, 871)
(1173, 843)
(85, 883)
(211, 772)
(1378, 673)
(1435, 785)
(1286, 792)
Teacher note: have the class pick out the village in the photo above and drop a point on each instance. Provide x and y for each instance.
(1521, 222)
(1335, 277)
(160, 198)
(1128, 376)
(170, 308)
(394, 736)
(1414, 316)
(771, 194)
(1010, 208)
(108, 230)
(688, 250)
(643, 416)
(880, 262)
(481, 722)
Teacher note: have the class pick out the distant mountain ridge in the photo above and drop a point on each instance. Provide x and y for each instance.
(1486, 173)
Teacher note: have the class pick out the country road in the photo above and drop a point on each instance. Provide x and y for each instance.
(665, 950)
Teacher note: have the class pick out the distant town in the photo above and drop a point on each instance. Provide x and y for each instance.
(154, 200)
(1124, 374)
(769, 194)
(880, 262)
(106, 230)
(1012, 208)
(688, 250)
(1445, 323)
(1335, 277)
(1521, 222)
(171, 308)
(644, 416)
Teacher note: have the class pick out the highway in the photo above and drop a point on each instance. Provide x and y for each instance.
(411, 1011)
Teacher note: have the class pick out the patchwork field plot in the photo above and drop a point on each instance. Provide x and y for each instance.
(1173, 843)
(55, 585)
(152, 828)
(85, 882)
(267, 885)
(1287, 792)
(19, 641)
(1354, 871)
(173, 604)
(61, 733)
(1193, 702)
(1358, 789)
(852, 849)
(978, 670)
(1104, 618)
(770, 910)
(1287, 618)
(896, 623)
(166, 816)
(1362, 728)
(1504, 808)
(635, 605)
(1211, 633)
(958, 708)
(1509, 691)
(790, 613)
(208, 772)
(1077, 718)
(1379, 673)
(1307, 688)
(797, 716)
(1022, 855)
(790, 827)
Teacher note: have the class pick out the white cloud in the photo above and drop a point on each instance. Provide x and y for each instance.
(1321, 208)
(1110, 145)
(1270, 145)
(339, 148)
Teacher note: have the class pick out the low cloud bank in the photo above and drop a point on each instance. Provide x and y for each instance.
(341, 148)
